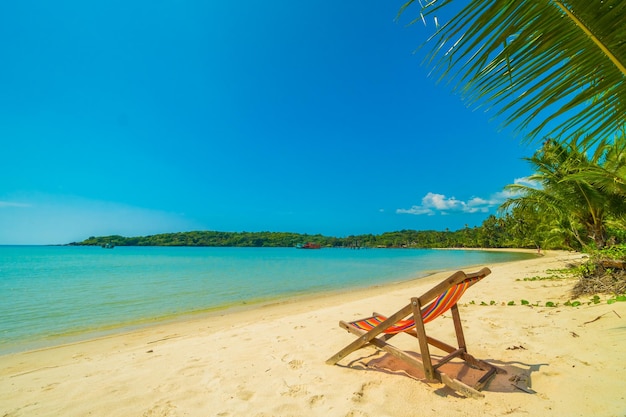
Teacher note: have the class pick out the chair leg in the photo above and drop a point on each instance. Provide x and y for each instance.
(429, 370)
(458, 327)
(461, 387)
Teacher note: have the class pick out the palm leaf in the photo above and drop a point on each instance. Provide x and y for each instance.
(549, 67)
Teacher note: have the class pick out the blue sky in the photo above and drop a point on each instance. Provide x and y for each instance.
(143, 117)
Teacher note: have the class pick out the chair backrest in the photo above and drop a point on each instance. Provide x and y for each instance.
(454, 279)
(443, 296)
(446, 300)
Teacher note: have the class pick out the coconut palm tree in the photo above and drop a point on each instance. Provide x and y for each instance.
(609, 167)
(608, 173)
(566, 195)
(552, 67)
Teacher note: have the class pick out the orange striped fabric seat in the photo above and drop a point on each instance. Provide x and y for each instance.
(437, 307)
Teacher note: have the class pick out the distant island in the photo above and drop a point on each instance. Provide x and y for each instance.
(492, 234)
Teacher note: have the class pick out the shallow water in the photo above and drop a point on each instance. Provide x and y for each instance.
(55, 294)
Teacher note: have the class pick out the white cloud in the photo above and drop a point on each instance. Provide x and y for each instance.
(441, 202)
(433, 203)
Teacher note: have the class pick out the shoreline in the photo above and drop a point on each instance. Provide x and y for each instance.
(269, 360)
(73, 336)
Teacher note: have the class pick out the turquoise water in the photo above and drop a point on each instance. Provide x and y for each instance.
(56, 294)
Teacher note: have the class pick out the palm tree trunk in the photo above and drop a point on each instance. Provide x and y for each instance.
(598, 234)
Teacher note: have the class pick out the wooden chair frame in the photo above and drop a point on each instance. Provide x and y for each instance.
(415, 308)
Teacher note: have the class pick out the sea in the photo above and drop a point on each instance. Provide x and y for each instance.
(52, 295)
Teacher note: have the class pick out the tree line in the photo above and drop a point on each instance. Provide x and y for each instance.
(495, 232)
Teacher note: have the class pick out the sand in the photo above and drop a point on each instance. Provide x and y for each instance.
(269, 361)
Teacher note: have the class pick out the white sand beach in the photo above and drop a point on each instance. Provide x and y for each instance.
(270, 361)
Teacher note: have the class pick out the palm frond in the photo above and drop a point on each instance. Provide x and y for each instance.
(549, 67)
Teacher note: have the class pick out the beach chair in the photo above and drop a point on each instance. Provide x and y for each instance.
(378, 329)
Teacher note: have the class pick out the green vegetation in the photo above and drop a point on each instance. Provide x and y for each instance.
(272, 239)
(604, 272)
(596, 299)
(213, 239)
(555, 275)
(493, 233)
(564, 204)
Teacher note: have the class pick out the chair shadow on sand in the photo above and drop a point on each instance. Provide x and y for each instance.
(517, 377)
